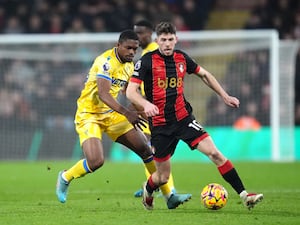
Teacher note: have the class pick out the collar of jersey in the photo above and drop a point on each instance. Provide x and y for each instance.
(117, 55)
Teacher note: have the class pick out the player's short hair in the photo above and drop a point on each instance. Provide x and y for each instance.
(128, 34)
(165, 28)
(145, 23)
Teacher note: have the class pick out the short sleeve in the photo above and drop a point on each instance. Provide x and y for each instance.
(104, 68)
(141, 68)
(191, 65)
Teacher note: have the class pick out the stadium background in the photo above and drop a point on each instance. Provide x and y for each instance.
(25, 137)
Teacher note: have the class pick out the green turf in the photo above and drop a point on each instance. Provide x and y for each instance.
(106, 197)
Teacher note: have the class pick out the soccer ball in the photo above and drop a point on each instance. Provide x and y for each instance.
(214, 196)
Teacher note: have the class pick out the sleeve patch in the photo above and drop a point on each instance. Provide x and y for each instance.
(106, 67)
(138, 65)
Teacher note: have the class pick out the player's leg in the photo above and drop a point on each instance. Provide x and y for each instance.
(194, 134)
(123, 132)
(159, 179)
(137, 142)
(164, 147)
(228, 171)
(89, 135)
(165, 188)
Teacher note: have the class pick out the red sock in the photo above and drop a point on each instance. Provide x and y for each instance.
(227, 166)
(229, 174)
(151, 186)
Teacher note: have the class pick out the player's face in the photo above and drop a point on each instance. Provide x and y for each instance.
(127, 50)
(144, 34)
(166, 43)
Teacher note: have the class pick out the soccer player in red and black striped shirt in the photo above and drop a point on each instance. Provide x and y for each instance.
(170, 115)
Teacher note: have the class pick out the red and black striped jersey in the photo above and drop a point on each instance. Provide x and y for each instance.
(163, 78)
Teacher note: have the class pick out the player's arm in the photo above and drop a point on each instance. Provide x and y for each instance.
(134, 95)
(138, 109)
(104, 86)
(212, 82)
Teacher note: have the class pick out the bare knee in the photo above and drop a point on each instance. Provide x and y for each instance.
(163, 178)
(95, 164)
(217, 157)
(208, 147)
(214, 155)
(93, 151)
(144, 152)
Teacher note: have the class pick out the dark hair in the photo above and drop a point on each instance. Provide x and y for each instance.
(165, 28)
(128, 34)
(145, 23)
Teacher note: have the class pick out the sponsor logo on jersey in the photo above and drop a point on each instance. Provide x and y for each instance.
(171, 82)
(118, 82)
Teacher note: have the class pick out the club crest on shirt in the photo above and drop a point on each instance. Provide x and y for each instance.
(118, 82)
(181, 67)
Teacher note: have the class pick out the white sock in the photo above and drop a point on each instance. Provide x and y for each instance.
(243, 194)
(63, 177)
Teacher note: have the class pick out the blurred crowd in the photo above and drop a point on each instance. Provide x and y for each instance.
(32, 97)
(39, 93)
(76, 16)
(284, 16)
(48, 101)
(250, 71)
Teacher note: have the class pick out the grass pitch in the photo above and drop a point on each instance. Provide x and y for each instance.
(27, 195)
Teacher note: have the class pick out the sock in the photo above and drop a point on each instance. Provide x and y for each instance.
(171, 182)
(80, 169)
(147, 172)
(243, 194)
(166, 189)
(229, 174)
(150, 165)
(150, 186)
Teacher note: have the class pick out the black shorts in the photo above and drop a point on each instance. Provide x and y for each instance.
(164, 139)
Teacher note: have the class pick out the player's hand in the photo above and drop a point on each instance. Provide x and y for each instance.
(150, 109)
(140, 123)
(232, 101)
(136, 120)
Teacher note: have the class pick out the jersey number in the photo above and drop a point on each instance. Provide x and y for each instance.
(194, 124)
